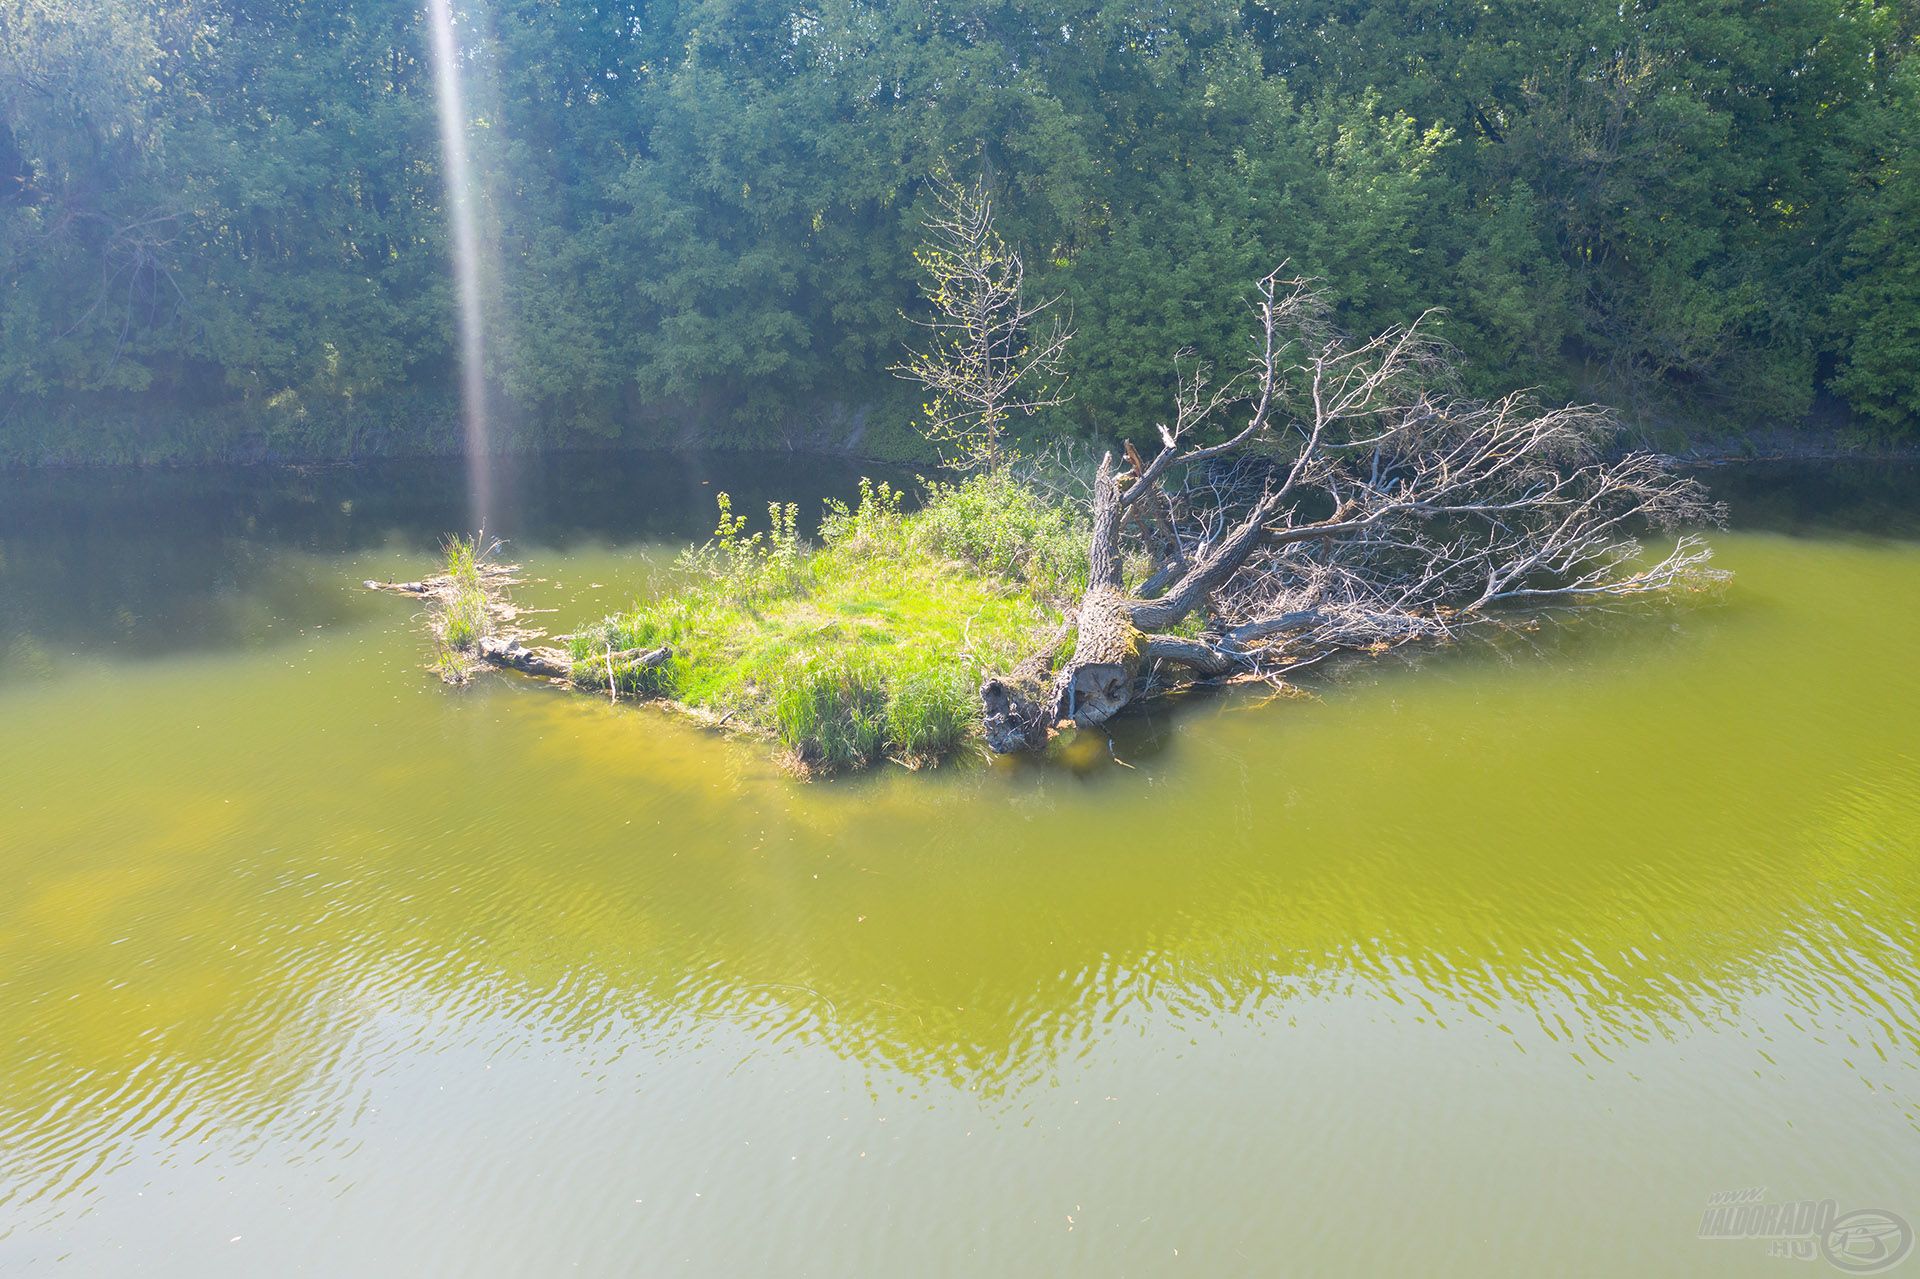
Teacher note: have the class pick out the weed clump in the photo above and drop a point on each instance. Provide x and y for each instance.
(747, 567)
(465, 617)
(462, 619)
(1000, 526)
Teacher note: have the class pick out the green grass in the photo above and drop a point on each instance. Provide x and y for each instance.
(871, 645)
(463, 617)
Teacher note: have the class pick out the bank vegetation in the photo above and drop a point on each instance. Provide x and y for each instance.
(224, 227)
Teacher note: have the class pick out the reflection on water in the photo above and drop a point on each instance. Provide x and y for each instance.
(1502, 961)
(149, 562)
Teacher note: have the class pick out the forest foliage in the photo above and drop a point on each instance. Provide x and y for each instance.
(1700, 210)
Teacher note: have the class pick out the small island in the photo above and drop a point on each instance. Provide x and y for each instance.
(1337, 494)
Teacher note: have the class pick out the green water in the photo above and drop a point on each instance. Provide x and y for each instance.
(1498, 962)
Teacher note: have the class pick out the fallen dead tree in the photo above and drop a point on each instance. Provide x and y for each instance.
(1359, 502)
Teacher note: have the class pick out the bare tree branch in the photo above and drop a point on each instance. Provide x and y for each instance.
(1387, 508)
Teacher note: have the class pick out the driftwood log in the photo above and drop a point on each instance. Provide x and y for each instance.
(506, 644)
(553, 663)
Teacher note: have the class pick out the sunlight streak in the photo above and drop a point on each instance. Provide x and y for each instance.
(463, 216)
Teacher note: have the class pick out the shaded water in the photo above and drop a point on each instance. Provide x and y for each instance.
(1498, 962)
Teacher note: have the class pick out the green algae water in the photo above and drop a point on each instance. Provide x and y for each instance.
(1506, 959)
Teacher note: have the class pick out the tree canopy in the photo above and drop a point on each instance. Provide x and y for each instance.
(1697, 209)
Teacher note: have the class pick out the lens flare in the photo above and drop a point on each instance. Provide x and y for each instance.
(464, 218)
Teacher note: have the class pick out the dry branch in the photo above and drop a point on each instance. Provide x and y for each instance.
(1360, 502)
(506, 644)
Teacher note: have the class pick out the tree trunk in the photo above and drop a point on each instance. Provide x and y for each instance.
(1018, 710)
(1098, 680)
(1110, 649)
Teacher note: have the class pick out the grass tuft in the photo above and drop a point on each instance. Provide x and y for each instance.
(463, 615)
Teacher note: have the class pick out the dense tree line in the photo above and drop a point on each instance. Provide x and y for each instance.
(1704, 210)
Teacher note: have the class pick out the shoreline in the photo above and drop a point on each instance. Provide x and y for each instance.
(1710, 452)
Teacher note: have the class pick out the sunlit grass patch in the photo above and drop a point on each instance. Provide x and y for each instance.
(466, 615)
(462, 620)
(870, 646)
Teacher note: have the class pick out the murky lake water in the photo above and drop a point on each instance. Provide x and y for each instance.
(1499, 962)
